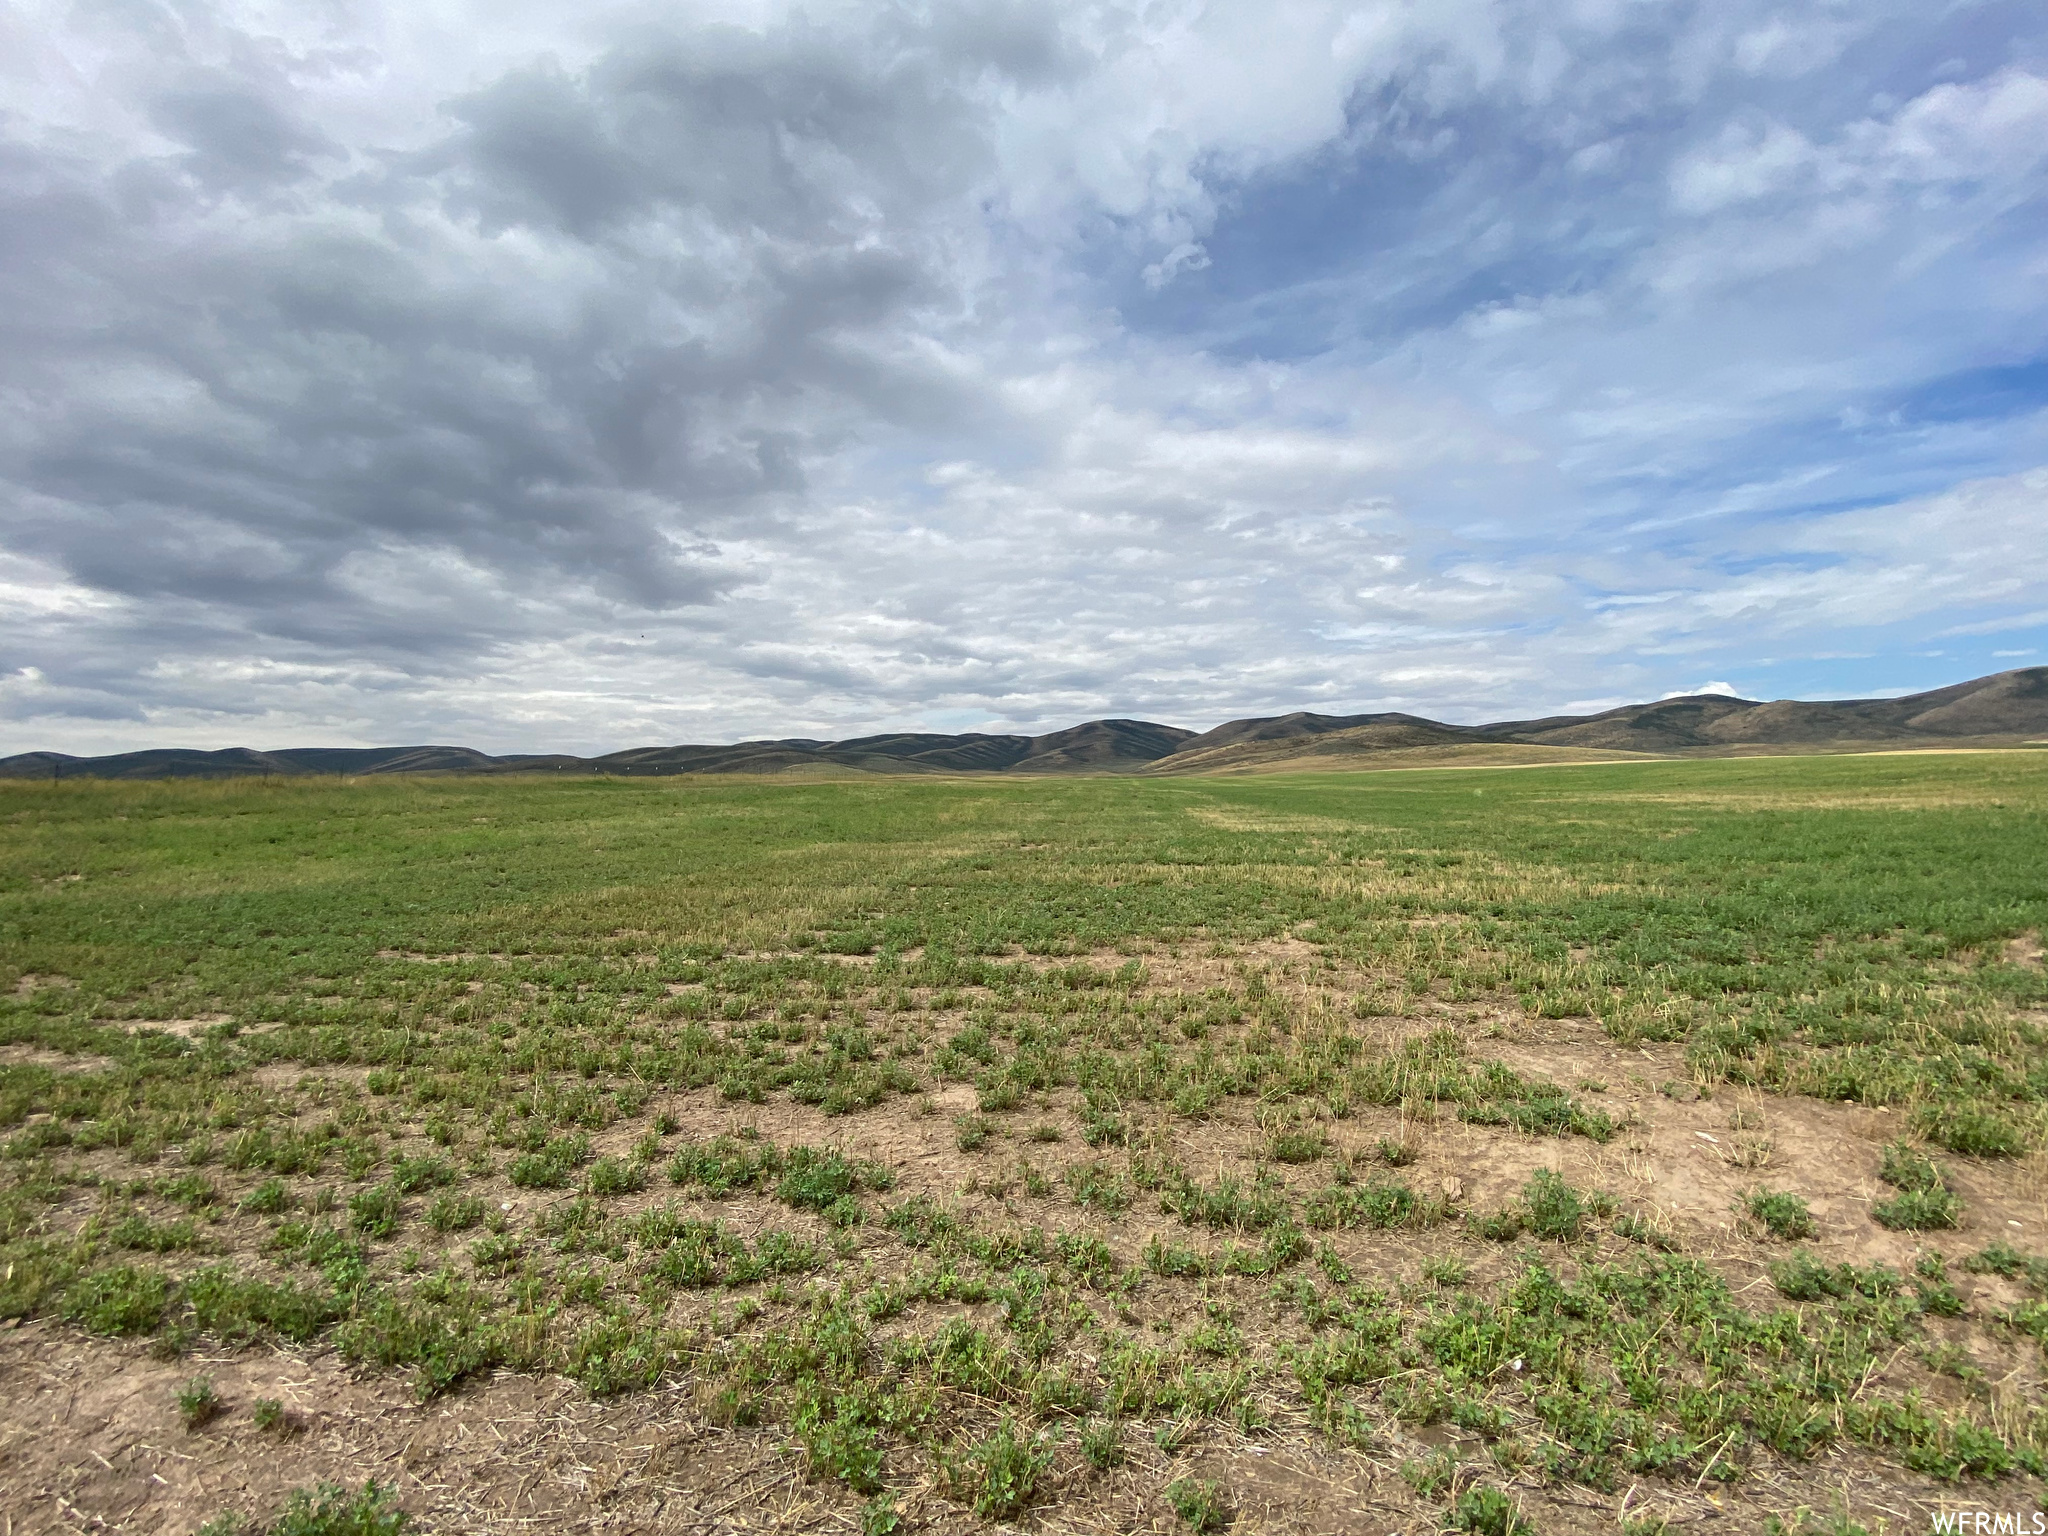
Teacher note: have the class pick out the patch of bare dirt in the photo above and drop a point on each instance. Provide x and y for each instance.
(19, 1055)
(1696, 1158)
(90, 1440)
(28, 984)
(280, 1075)
(1188, 968)
(2024, 950)
(184, 1029)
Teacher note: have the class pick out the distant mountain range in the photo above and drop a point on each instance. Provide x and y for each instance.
(2006, 709)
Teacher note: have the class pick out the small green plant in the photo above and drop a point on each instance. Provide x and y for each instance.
(270, 1198)
(1201, 1504)
(123, 1299)
(552, 1166)
(1297, 1146)
(1971, 1130)
(1503, 1226)
(1919, 1210)
(1099, 1186)
(1100, 1128)
(331, 1510)
(610, 1176)
(1807, 1277)
(1805, 1523)
(139, 1232)
(1380, 1203)
(194, 1191)
(1487, 1512)
(881, 1515)
(1447, 1271)
(451, 1212)
(2001, 1258)
(997, 1096)
(360, 1155)
(374, 1211)
(1433, 1476)
(273, 1418)
(1251, 1417)
(1102, 1444)
(1175, 1435)
(1554, 1209)
(841, 1443)
(198, 1403)
(828, 1183)
(1638, 1228)
(410, 1175)
(1005, 1469)
(1174, 1260)
(1782, 1214)
(1395, 1154)
(1906, 1167)
(496, 1251)
(1938, 1296)
(970, 1132)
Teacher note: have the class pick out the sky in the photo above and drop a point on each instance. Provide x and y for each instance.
(542, 377)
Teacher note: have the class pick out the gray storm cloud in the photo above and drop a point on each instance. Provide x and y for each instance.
(696, 374)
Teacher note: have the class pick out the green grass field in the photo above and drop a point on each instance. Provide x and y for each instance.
(615, 1079)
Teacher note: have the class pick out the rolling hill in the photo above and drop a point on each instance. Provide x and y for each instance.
(2006, 709)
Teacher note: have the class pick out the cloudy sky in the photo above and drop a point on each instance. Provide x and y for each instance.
(537, 376)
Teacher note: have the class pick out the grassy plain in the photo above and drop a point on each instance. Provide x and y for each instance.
(1565, 1145)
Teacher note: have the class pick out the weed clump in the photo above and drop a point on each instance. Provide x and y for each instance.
(1002, 1474)
(1924, 1201)
(1488, 1512)
(1549, 1207)
(1382, 1203)
(1781, 1214)
(374, 1211)
(331, 1510)
(1498, 1096)
(2001, 1258)
(273, 1418)
(1971, 1130)
(1102, 1444)
(1099, 1187)
(610, 1176)
(1297, 1146)
(1917, 1211)
(829, 1183)
(552, 1166)
(1805, 1276)
(1200, 1504)
(410, 1175)
(1226, 1203)
(198, 1403)
(270, 1198)
(119, 1300)
(451, 1212)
